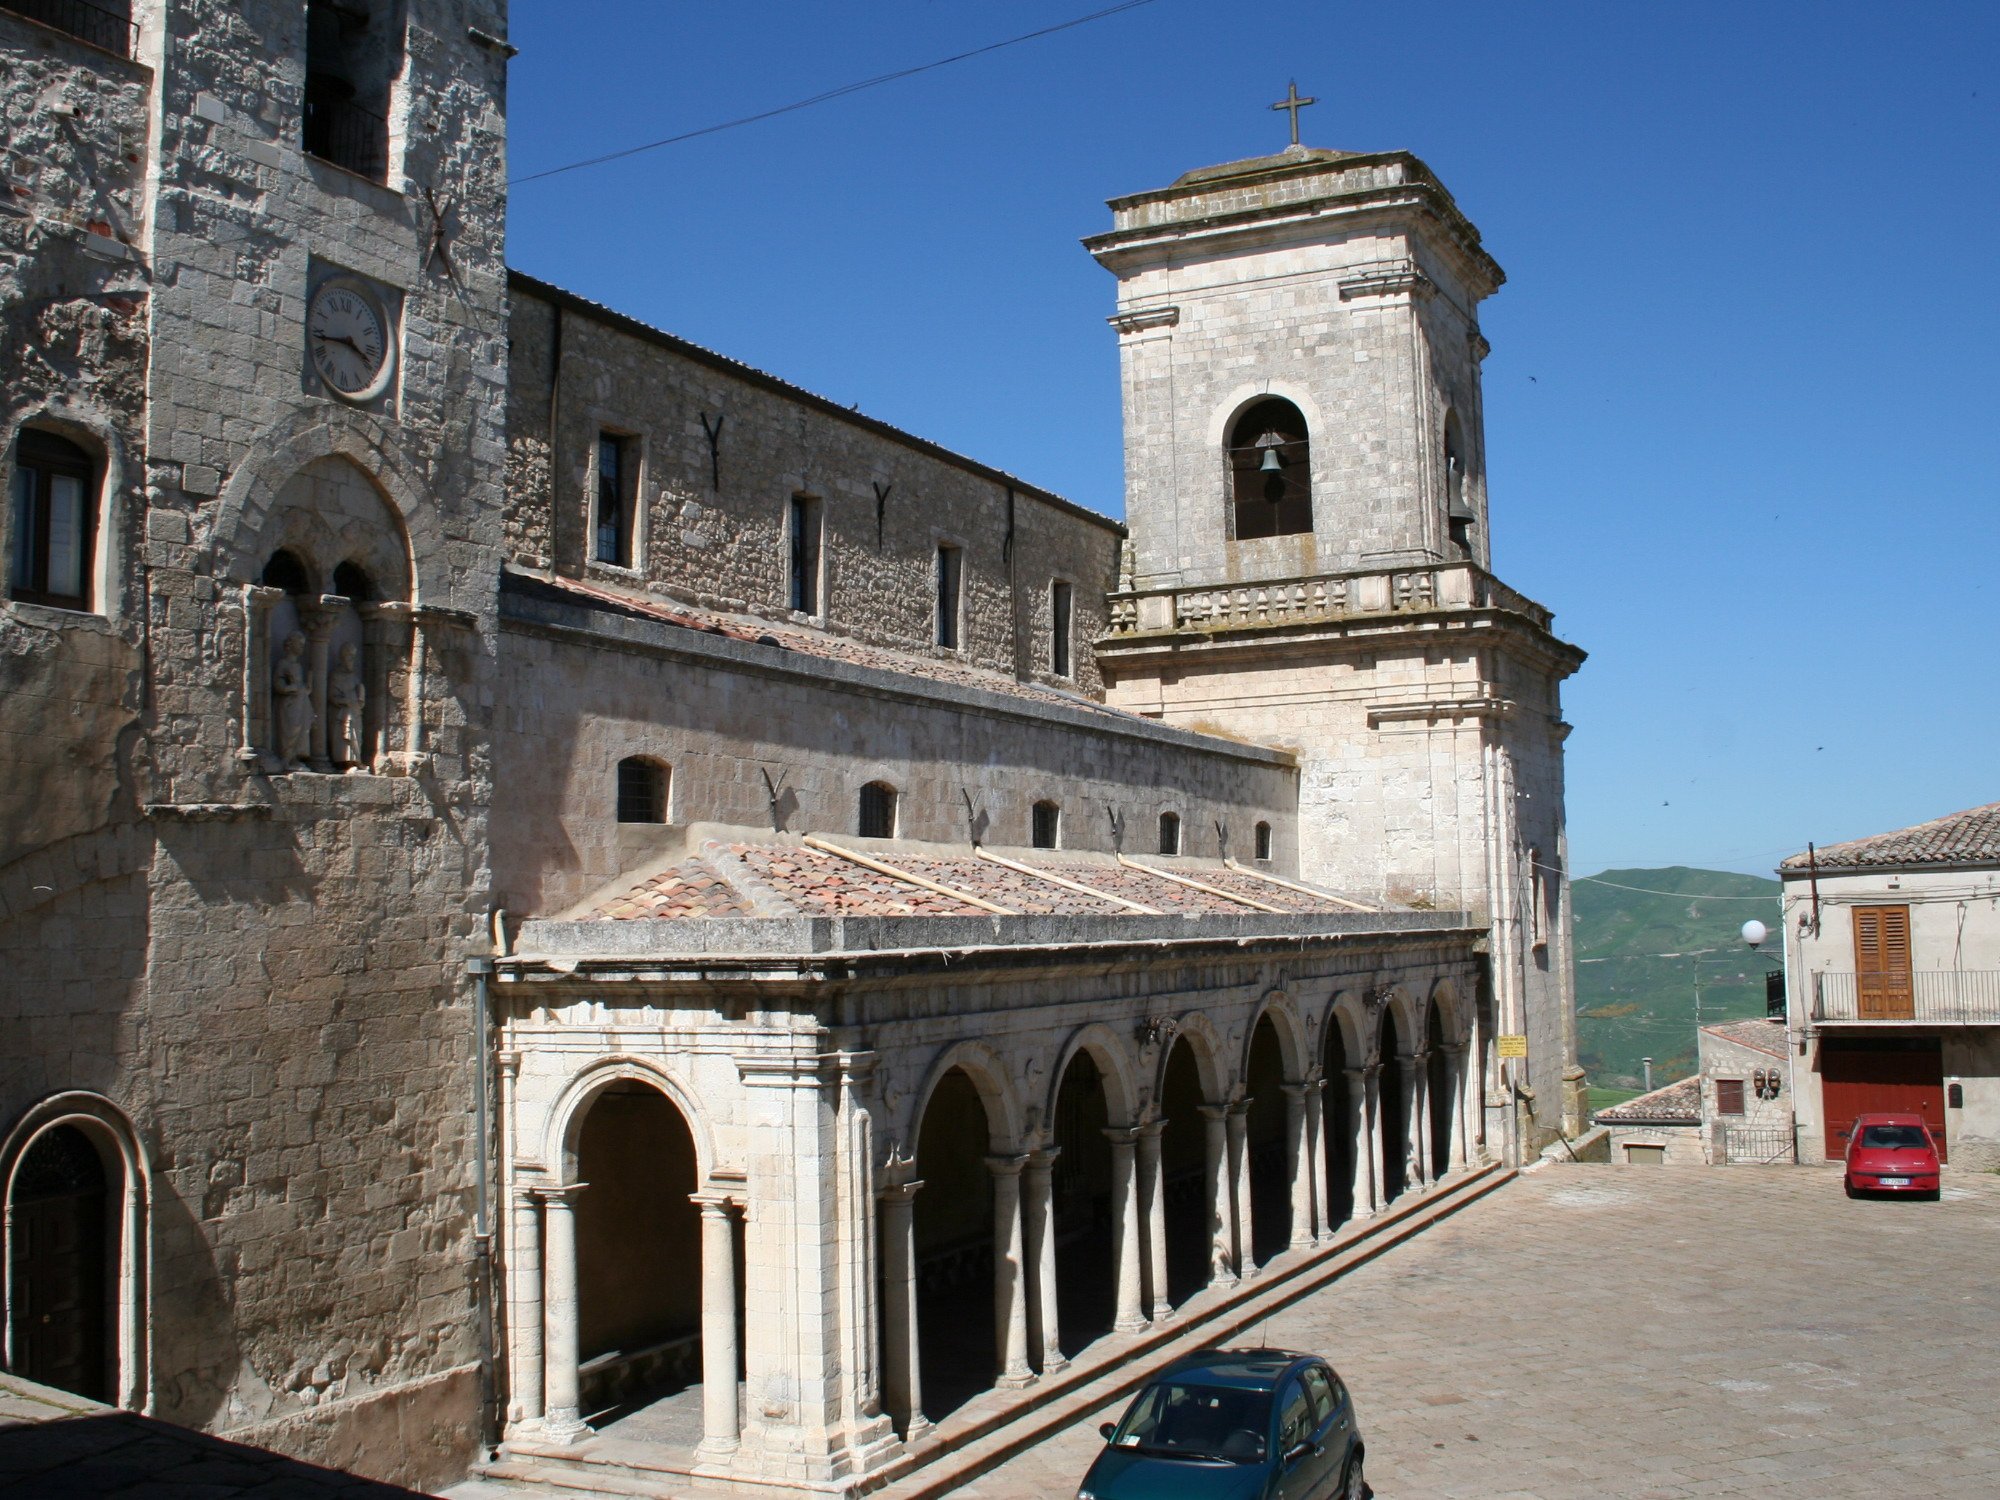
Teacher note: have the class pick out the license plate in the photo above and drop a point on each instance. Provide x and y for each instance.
(1895, 1182)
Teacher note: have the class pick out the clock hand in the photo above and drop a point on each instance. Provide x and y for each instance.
(341, 338)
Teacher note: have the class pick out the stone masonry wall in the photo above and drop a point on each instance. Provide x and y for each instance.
(712, 528)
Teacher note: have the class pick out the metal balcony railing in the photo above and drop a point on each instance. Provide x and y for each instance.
(1949, 997)
(342, 132)
(99, 25)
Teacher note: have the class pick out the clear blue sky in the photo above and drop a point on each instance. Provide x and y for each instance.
(1743, 416)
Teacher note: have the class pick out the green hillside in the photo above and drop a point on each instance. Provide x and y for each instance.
(1631, 1002)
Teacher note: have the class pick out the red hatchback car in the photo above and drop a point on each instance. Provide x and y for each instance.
(1891, 1154)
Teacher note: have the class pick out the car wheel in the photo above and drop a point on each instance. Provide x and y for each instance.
(1850, 1190)
(1352, 1485)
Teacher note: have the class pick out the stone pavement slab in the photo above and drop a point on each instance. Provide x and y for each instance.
(1596, 1331)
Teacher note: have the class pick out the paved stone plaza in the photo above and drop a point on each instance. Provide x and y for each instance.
(1639, 1332)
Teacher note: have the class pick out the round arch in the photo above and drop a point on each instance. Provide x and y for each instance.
(572, 1104)
(1289, 1030)
(1408, 1023)
(97, 433)
(989, 1075)
(1114, 1065)
(1444, 995)
(1205, 1043)
(1229, 411)
(112, 1133)
(1344, 1014)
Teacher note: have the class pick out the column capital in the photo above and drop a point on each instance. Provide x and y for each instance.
(714, 1205)
(509, 1060)
(1212, 1111)
(562, 1195)
(1296, 1092)
(899, 1192)
(1006, 1166)
(1043, 1158)
(1121, 1135)
(1241, 1107)
(1152, 1130)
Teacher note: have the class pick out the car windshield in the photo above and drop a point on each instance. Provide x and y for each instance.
(1893, 1137)
(1222, 1424)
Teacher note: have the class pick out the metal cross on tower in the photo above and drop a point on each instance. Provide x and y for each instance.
(1294, 103)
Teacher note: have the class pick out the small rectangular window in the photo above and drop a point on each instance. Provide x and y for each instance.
(617, 482)
(878, 811)
(1729, 1096)
(54, 521)
(1059, 628)
(1170, 833)
(805, 554)
(949, 570)
(1047, 825)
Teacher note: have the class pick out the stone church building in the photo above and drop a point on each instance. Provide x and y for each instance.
(542, 866)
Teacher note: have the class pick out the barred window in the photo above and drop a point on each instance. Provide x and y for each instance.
(1047, 825)
(878, 811)
(642, 791)
(1170, 833)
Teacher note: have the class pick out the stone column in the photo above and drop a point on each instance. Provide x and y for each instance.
(1316, 1139)
(1153, 1208)
(1419, 1171)
(1239, 1167)
(562, 1422)
(1297, 1145)
(1360, 1192)
(385, 631)
(721, 1401)
(1221, 1188)
(1126, 1246)
(524, 1308)
(1378, 1190)
(902, 1375)
(1044, 1323)
(1010, 1302)
(319, 616)
(259, 732)
(1455, 1057)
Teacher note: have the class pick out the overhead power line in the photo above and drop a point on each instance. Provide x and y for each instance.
(1642, 890)
(841, 92)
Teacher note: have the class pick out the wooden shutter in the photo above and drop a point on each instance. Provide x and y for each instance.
(1729, 1096)
(1882, 963)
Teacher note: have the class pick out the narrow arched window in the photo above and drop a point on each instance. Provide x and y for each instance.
(1270, 471)
(1170, 833)
(642, 790)
(878, 811)
(55, 521)
(351, 582)
(1047, 825)
(1263, 843)
(285, 571)
(1458, 511)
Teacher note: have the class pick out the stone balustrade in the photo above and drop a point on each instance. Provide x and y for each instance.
(1329, 596)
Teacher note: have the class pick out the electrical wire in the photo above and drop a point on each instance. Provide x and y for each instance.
(830, 94)
(1642, 890)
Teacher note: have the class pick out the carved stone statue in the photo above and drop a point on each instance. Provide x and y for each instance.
(345, 696)
(293, 687)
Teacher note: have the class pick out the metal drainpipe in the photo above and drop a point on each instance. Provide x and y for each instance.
(480, 967)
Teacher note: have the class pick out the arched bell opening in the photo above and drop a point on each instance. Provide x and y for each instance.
(1190, 1198)
(1392, 1110)
(1081, 1198)
(1337, 1129)
(1437, 1087)
(1270, 470)
(952, 1232)
(638, 1250)
(63, 1263)
(1265, 1140)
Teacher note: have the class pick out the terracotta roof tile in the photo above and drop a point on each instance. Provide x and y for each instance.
(1971, 837)
(1760, 1036)
(1676, 1104)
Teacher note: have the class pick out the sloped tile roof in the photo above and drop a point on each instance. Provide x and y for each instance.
(1760, 1036)
(789, 879)
(1971, 837)
(1676, 1104)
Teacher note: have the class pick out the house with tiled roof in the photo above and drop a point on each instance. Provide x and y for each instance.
(1892, 954)
(1659, 1128)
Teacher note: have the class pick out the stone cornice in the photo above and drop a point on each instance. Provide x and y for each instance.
(1143, 319)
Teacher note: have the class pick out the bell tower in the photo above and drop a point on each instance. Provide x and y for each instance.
(1309, 558)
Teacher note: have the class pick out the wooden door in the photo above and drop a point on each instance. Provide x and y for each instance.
(1883, 986)
(60, 1285)
(1869, 1075)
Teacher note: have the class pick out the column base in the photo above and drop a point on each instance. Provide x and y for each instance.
(1131, 1323)
(1308, 1243)
(564, 1428)
(919, 1428)
(1224, 1279)
(1162, 1313)
(1053, 1364)
(715, 1457)
(1015, 1380)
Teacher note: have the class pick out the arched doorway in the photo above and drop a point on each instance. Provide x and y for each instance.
(1336, 1125)
(952, 1231)
(1190, 1199)
(1392, 1110)
(638, 1250)
(1081, 1193)
(1264, 1137)
(1437, 1083)
(63, 1252)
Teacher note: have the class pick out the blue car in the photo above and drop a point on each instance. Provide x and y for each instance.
(1234, 1424)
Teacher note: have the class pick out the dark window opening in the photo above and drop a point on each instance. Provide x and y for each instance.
(1270, 468)
(1729, 1096)
(1047, 825)
(351, 582)
(1264, 843)
(102, 23)
(285, 571)
(1060, 598)
(616, 483)
(805, 554)
(1458, 501)
(351, 54)
(55, 521)
(1170, 833)
(642, 791)
(950, 567)
(878, 811)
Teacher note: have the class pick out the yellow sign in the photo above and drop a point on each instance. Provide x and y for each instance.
(1512, 1046)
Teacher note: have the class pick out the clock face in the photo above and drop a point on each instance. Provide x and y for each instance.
(347, 339)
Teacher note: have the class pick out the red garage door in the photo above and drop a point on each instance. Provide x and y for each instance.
(1867, 1075)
